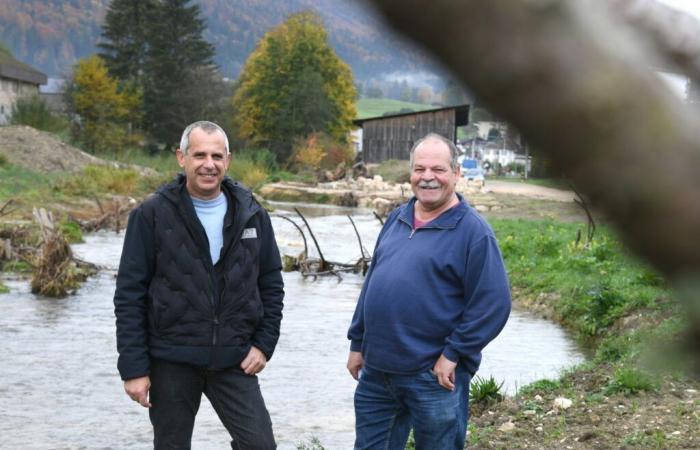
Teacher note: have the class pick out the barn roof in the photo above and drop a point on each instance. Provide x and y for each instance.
(461, 115)
(16, 70)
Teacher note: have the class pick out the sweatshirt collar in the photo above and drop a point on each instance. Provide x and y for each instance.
(447, 219)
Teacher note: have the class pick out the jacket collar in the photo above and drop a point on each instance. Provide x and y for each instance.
(448, 219)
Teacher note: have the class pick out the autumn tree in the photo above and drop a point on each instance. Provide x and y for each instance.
(293, 85)
(102, 111)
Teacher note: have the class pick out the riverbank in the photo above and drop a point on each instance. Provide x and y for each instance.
(615, 305)
(632, 393)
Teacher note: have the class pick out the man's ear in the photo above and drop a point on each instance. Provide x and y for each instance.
(180, 157)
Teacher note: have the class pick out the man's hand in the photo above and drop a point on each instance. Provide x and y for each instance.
(254, 362)
(355, 363)
(137, 389)
(444, 370)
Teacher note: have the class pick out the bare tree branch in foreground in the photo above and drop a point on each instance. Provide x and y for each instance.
(578, 85)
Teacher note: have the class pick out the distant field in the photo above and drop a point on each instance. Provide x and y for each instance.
(374, 107)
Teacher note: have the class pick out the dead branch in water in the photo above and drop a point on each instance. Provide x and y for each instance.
(315, 267)
(56, 269)
(324, 264)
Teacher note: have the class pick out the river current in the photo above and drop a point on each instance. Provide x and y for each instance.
(60, 388)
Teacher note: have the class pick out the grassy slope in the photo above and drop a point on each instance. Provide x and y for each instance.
(375, 107)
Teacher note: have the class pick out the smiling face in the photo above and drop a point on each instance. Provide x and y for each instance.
(205, 163)
(433, 181)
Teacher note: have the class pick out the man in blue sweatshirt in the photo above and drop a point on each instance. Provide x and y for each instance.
(436, 293)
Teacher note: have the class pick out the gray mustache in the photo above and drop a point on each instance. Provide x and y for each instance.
(429, 184)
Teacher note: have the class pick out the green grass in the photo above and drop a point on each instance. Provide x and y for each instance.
(375, 107)
(485, 391)
(597, 284)
(540, 386)
(394, 171)
(16, 181)
(629, 381)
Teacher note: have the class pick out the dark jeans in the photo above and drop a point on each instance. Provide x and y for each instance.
(176, 392)
(388, 405)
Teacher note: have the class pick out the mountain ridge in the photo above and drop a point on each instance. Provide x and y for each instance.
(51, 35)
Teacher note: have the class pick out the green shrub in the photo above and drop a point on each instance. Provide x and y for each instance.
(247, 170)
(540, 386)
(4, 289)
(394, 171)
(33, 111)
(630, 381)
(100, 179)
(4, 161)
(71, 231)
(485, 391)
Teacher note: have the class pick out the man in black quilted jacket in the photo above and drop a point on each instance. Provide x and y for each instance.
(199, 297)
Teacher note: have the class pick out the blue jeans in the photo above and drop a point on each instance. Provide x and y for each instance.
(387, 406)
(176, 391)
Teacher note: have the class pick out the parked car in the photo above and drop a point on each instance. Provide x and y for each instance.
(475, 175)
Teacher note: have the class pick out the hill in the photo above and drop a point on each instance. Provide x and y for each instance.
(374, 107)
(52, 34)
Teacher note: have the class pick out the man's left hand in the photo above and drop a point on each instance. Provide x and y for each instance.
(444, 370)
(254, 362)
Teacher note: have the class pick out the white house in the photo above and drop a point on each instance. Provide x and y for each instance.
(16, 80)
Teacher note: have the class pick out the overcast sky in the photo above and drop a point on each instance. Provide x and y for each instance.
(691, 6)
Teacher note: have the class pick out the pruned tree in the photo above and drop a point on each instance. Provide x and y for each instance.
(576, 78)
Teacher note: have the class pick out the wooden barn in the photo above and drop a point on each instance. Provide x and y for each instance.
(391, 137)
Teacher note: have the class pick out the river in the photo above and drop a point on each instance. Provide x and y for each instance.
(60, 388)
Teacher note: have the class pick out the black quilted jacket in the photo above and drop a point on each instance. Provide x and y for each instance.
(171, 303)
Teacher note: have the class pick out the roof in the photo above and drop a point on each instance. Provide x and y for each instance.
(16, 70)
(461, 113)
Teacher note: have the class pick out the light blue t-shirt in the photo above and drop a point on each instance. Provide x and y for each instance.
(211, 214)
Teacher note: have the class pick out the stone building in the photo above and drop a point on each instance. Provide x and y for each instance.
(16, 80)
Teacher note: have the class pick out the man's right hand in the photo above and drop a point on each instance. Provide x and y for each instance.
(137, 389)
(355, 363)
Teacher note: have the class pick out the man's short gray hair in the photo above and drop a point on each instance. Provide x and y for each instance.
(208, 127)
(454, 152)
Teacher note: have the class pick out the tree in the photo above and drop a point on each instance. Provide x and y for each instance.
(125, 38)
(178, 60)
(103, 111)
(292, 85)
(453, 94)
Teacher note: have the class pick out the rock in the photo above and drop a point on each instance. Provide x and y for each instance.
(507, 427)
(529, 412)
(538, 398)
(383, 206)
(588, 435)
(539, 429)
(562, 403)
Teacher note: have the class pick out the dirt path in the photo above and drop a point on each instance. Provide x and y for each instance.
(528, 190)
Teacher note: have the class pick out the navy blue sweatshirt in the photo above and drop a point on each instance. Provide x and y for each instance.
(439, 289)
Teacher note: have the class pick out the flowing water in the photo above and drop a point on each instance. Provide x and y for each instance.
(60, 389)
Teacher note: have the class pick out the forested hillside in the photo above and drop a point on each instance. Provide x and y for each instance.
(52, 34)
